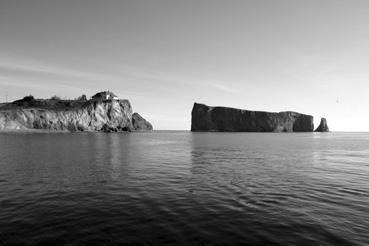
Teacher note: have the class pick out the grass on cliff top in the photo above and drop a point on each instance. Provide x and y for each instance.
(54, 103)
(50, 104)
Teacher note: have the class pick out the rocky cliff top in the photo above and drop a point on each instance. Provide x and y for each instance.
(54, 103)
(232, 108)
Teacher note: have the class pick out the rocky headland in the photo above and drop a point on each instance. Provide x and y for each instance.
(224, 119)
(103, 112)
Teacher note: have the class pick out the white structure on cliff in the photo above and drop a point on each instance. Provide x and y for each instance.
(105, 95)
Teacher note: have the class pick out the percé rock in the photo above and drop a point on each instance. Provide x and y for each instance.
(97, 114)
(323, 126)
(223, 119)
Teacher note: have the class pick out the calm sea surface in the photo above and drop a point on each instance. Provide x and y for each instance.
(165, 188)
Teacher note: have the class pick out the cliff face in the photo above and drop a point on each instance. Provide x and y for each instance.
(140, 123)
(92, 115)
(223, 119)
(323, 126)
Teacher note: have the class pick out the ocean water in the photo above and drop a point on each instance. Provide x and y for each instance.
(183, 188)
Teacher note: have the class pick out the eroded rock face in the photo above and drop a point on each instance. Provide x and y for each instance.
(223, 119)
(140, 124)
(92, 115)
(323, 126)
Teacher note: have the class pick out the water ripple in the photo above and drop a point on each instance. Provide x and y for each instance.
(169, 188)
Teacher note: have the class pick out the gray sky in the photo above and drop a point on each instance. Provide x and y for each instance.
(306, 56)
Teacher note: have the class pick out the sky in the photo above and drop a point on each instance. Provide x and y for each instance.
(306, 56)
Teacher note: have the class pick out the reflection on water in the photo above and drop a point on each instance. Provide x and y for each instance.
(184, 188)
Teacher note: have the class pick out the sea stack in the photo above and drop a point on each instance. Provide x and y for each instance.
(323, 126)
(224, 119)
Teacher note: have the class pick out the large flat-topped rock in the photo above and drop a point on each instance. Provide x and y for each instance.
(224, 119)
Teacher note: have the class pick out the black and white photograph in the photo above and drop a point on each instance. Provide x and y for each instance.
(184, 122)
